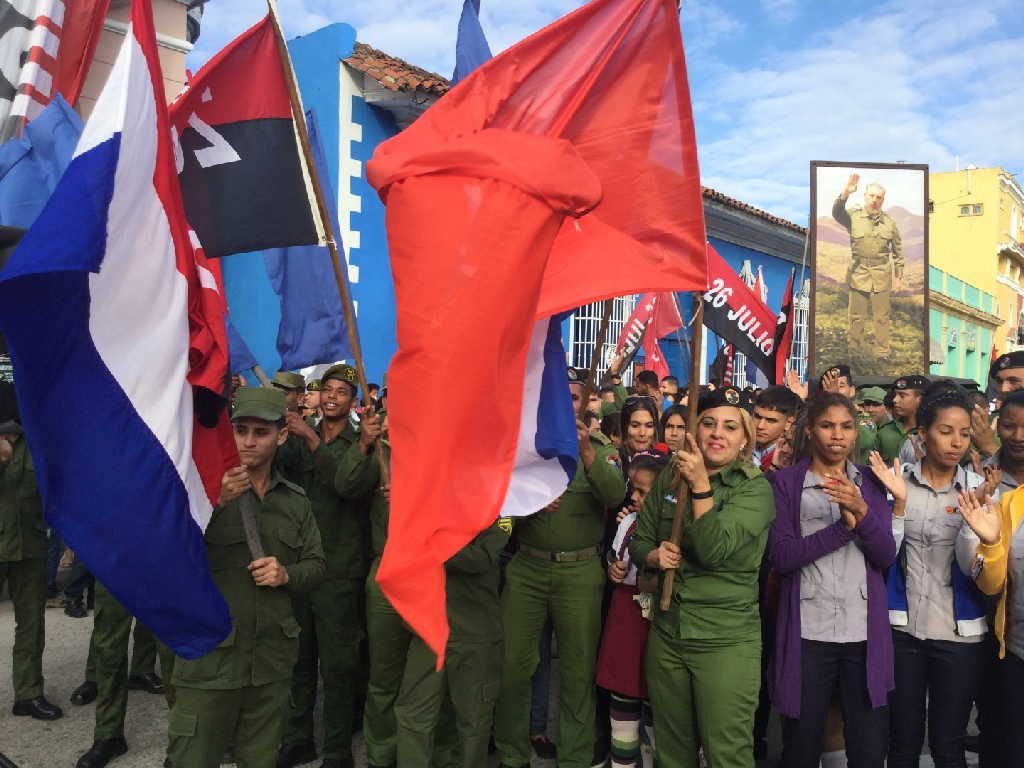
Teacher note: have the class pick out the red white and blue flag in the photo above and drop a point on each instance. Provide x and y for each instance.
(103, 304)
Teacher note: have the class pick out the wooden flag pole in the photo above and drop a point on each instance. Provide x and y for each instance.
(595, 357)
(693, 393)
(299, 118)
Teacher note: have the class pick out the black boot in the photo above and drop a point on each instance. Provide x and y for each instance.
(6, 762)
(150, 682)
(84, 694)
(296, 753)
(39, 708)
(102, 752)
(75, 608)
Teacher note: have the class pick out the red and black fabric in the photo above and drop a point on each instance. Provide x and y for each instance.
(734, 312)
(784, 332)
(238, 157)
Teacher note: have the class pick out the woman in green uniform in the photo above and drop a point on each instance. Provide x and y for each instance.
(703, 660)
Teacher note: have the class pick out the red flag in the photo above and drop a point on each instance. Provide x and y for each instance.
(664, 320)
(243, 179)
(58, 40)
(562, 172)
(784, 332)
(730, 364)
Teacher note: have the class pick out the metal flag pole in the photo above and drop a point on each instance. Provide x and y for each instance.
(299, 118)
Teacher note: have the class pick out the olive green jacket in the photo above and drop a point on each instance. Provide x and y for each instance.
(22, 527)
(874, 241)
(579, 521)
(471, 587)
(264, 641)
(715, 590)
(890, 438)
(358, 476)
(339, 516)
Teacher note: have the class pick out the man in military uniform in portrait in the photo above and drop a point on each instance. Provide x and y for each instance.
(876, 267)
(23, 549)
(237, 694)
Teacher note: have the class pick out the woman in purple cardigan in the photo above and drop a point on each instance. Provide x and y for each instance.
(830, 543)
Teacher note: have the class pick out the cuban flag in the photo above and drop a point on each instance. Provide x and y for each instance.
(96, 305)
(547, 449)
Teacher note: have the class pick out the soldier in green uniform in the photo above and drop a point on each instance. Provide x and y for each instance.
(108, 679)
(906, 396)
(871, 404)
(332, 615)
(293, 385)
(472, 664)
(23, 569)
(703, 659)
(238, 693)
(876, 266)
(558, 574)
(389, 636)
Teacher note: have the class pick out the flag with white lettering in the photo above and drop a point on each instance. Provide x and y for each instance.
(734, 312)
(244, 182)
(784, 332)
(46, 47)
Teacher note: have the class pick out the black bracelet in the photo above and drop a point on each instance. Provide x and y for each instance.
(702, 495)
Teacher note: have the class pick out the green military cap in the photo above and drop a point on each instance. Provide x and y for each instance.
(341, 372)
(264, 403)
(874, 395)
(313, 385)
(288, 380)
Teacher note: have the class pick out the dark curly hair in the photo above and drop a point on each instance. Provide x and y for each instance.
(938, 397)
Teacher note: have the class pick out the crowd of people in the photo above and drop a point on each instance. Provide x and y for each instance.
(847, 558)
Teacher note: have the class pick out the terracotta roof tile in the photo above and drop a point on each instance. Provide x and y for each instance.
(395, 74)
(713, 194)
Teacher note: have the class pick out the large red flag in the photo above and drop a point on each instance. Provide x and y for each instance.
(562, 172)
(55, 45)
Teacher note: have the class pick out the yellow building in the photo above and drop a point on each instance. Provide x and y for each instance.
(975, 276)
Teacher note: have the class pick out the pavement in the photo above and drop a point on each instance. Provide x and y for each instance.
(58, 744)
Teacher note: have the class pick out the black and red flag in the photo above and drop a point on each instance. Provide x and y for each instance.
(243, 179)
(784, 332)
(734, 312)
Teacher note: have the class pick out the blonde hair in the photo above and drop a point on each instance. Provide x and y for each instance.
(749, 433)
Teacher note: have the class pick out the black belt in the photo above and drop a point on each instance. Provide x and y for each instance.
(564, 556)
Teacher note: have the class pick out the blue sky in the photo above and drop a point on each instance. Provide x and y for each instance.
(775, 83)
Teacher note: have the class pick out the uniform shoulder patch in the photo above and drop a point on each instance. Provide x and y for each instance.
(612, 457)
(505, 523)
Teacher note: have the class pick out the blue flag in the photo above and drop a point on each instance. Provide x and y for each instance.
(31, 166)
(471, 49)
(241, 357)
(312, 328)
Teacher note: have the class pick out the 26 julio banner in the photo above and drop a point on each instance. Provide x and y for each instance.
(737, 314)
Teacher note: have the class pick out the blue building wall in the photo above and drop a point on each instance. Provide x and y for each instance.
(255, 308)
(375, 292)
(776, 273)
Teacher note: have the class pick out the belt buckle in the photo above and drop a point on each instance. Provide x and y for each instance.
(558, 557)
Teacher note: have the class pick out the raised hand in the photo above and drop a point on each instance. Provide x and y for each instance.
(981, 431)
(981, 516)
(795, 385)
(890, 477)
(851, 185)
(830, 381)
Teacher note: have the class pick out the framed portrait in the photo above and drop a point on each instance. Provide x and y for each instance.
(869, 268)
